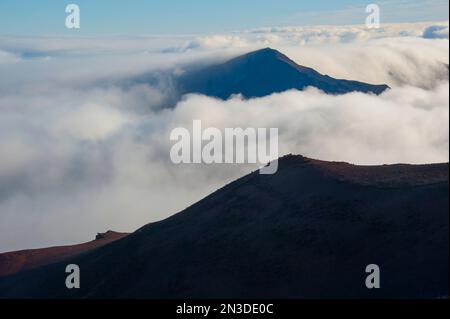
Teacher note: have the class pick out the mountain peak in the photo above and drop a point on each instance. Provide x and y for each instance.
(264, 72)
(266, 54)
(265, 51)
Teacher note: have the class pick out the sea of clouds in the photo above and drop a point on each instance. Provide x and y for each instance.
(84, 145)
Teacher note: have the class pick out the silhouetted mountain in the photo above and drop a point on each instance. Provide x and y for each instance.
(262, 73)
(308, 231)
(14, 262)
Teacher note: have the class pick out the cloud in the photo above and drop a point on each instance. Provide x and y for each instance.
(215, 42)
(85, 147)
(395, 61)
(76, 185)
(90, 122)
(7, 57)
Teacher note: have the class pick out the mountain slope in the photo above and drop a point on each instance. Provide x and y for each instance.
(14, 262)
(309, 231)
(262, 73)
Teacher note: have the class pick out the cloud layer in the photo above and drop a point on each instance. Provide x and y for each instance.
(85, 148)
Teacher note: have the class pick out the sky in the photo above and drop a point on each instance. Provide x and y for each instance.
(136, 17)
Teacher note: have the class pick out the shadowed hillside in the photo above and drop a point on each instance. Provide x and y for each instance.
(308, 231)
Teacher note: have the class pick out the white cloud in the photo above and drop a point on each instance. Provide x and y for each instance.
(90, 122)
(6, 57)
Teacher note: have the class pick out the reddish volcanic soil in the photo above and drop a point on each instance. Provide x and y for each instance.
(400, 175)
(14, 262)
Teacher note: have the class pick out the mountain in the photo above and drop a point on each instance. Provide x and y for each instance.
(262, 73)
(14, 262)
(308, 231)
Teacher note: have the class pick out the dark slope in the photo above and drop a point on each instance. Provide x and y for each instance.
(14, 262)
(262, 73)
(308, 231)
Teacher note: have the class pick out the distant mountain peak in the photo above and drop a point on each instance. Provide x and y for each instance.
(266, 55)
(267, 49)
(265, 52)
(264, 72)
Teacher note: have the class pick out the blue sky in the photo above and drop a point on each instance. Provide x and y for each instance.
(138, 17)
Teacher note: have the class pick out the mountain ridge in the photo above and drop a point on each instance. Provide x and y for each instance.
(305, 232)
(264, 72)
